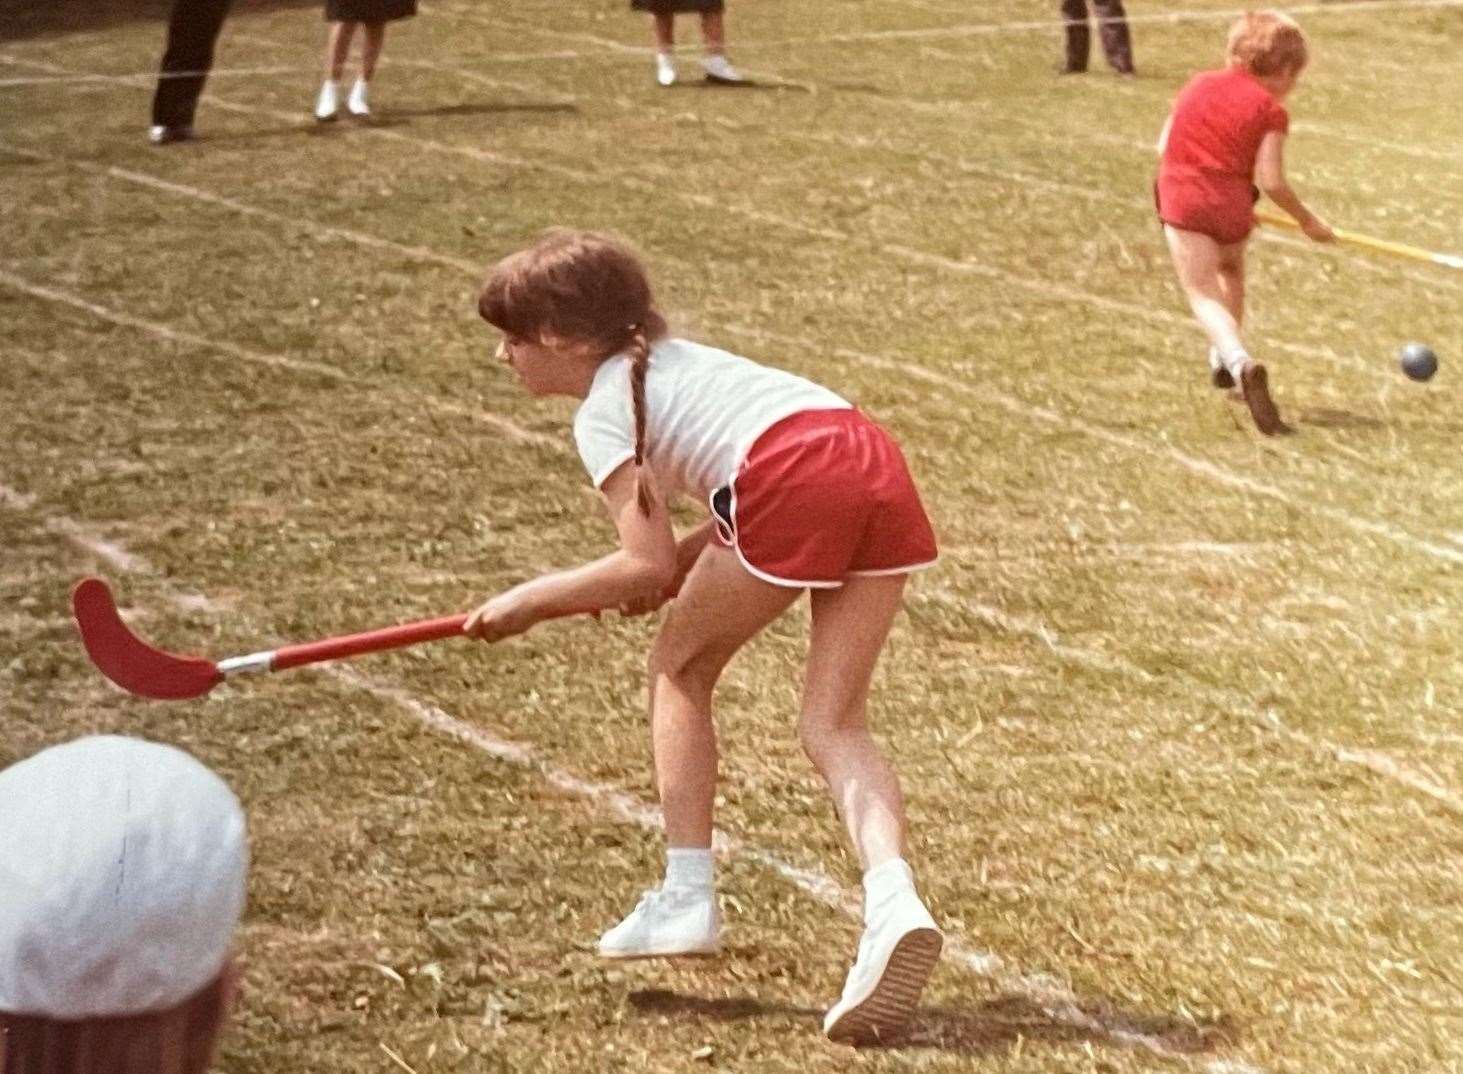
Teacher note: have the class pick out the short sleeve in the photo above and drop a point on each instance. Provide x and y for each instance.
(604, 427)
(1276, 119)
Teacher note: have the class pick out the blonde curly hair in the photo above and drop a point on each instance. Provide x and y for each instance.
(1267, 43)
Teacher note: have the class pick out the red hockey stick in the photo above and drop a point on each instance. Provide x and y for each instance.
(140, 669)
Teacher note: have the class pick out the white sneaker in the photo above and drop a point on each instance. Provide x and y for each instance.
(357, 104)
(666, 922)
(328, 103)
(896, 955)
(665, 69)
(719, 69)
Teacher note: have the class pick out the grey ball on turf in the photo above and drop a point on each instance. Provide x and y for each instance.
(1418, 361)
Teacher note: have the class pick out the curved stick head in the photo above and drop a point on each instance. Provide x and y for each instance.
(129, 661)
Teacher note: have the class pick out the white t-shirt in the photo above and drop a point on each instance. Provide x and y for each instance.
(704, 408)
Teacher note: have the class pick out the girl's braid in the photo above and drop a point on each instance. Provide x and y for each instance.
(639, 366)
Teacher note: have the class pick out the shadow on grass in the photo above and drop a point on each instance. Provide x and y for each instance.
(57, 18)
(398, 115)
(1331, 418)
(990, 1027)
(706, 85)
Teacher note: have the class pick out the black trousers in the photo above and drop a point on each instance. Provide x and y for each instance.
(1112, 23)
(192, 31)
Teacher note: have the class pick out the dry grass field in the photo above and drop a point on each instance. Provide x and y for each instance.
(1178, 715)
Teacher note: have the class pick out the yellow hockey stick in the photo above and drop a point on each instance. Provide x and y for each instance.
(1366, 242)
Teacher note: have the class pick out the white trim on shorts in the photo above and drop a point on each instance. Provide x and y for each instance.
(790, 583)
(926, 565)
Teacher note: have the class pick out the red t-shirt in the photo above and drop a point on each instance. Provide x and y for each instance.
(1219, 120)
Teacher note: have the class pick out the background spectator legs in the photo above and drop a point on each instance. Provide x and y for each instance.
(1112, 27)
(193, 29)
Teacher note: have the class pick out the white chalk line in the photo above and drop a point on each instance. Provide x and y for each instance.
(149, 76)
(1350, 258)
(1057, 1002)
(1370, 759)
(275, 361)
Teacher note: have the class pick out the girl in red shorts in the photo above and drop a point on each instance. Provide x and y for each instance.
(804, 493)
(1222, 145)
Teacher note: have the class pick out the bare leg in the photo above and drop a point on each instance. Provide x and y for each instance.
(337, 48)
(713, 32)
(1197, 260)
(1213, 278)
(850, 626)
(1232, 280)
(665, 31)
(719, 608)
(371, 49)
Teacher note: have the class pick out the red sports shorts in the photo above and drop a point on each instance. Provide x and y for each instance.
(1224, 212)
(823, 496)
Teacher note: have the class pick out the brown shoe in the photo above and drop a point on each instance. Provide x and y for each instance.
(1255, 387)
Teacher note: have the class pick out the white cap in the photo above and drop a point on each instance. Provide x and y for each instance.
(122, 871)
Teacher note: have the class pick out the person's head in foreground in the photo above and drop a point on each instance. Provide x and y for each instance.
(122, 872)
(1271, 46)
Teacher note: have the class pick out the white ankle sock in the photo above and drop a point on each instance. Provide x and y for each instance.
(689, 867)
(890, 878)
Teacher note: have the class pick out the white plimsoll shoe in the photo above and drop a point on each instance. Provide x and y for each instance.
(667, 922)
(328, 103)
(357, 104)
(896, 956)
(719, 69)
(665, 69)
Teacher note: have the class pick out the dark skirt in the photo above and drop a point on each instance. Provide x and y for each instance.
(369, 10)
(671, 7)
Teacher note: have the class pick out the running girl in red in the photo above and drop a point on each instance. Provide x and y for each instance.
(1222, 145)
(804, 493)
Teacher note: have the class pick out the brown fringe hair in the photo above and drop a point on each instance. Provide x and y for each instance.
(176, 1041)
(1267, 43)
(583, 288)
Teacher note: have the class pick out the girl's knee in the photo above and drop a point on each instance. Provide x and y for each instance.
(675, 658)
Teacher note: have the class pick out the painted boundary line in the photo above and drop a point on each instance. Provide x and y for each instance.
(1056, 1001)
(1373, 760)
(274, 361)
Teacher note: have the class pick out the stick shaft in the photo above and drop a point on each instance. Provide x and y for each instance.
(1367, 242)
(375, 641)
